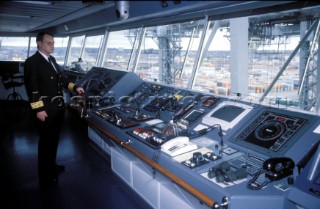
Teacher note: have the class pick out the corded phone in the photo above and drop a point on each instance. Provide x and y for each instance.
(274, 169)
(178, 145)
(278, 168)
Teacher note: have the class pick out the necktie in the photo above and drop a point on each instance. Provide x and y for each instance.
(49, 59)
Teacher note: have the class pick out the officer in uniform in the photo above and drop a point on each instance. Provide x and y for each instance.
(44, 84)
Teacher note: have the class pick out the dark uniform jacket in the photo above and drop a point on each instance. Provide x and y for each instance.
(44, 85)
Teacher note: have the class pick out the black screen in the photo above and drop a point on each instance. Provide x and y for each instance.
(227, 113)
(193, 116)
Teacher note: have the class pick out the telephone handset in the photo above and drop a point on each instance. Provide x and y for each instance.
(278, 168)
(274, 169)
(178, 145)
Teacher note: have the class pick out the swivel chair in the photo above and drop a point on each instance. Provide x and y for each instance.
(8, 82)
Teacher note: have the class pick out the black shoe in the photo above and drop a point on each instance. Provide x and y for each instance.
(59, 168)
(48, 182)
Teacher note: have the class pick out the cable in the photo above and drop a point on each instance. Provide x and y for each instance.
(254, 185)
(210, 128)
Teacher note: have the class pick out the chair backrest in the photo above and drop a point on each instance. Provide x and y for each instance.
(5, 80)
(9, 82)
(7, 70)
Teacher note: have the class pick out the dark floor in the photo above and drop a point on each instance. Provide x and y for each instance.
(87, 183)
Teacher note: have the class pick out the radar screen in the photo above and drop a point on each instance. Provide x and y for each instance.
(271, 130)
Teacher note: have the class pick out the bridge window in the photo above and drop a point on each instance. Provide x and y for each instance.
(60, 48)
(213, 74)
(75, 49)
(91, 50)
(119, 48)
(13, 48)
(168, 52)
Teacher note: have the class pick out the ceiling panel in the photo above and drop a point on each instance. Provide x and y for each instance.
(24, 16)
(21, 17)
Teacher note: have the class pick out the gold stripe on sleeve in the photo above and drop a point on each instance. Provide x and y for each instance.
(35, 105)
(70, 86)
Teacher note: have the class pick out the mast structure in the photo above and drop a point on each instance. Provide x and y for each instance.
(309, 89)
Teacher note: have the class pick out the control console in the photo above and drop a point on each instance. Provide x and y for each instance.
(219, 142)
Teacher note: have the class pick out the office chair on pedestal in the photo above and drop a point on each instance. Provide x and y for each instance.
(9, 82)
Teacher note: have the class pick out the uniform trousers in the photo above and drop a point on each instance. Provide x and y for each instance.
(49, 134)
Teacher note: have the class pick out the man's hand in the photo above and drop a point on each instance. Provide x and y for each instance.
(42, 115)
(80, 90)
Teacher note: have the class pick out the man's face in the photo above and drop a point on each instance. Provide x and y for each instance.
(46, 46)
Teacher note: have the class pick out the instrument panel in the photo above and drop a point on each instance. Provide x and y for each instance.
(271, 130)
(226, 142)
(266, 130)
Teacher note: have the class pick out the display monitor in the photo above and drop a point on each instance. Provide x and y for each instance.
(271, 130)
(227, 114)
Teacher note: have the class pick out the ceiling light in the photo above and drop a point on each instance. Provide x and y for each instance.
(36, 2)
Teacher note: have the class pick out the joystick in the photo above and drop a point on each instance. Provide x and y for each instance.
(197, 158)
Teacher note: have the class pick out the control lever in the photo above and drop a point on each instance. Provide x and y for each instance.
(83, 113)
(169, 103)
(206, 130)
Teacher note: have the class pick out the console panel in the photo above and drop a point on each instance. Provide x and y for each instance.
(226, 145)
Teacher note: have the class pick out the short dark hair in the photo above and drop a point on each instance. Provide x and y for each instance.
(41, 34)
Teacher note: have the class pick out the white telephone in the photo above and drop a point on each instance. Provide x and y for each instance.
(177, 146)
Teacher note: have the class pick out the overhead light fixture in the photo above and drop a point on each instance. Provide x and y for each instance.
(122, 10)
(65, 27)
(36, 2)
